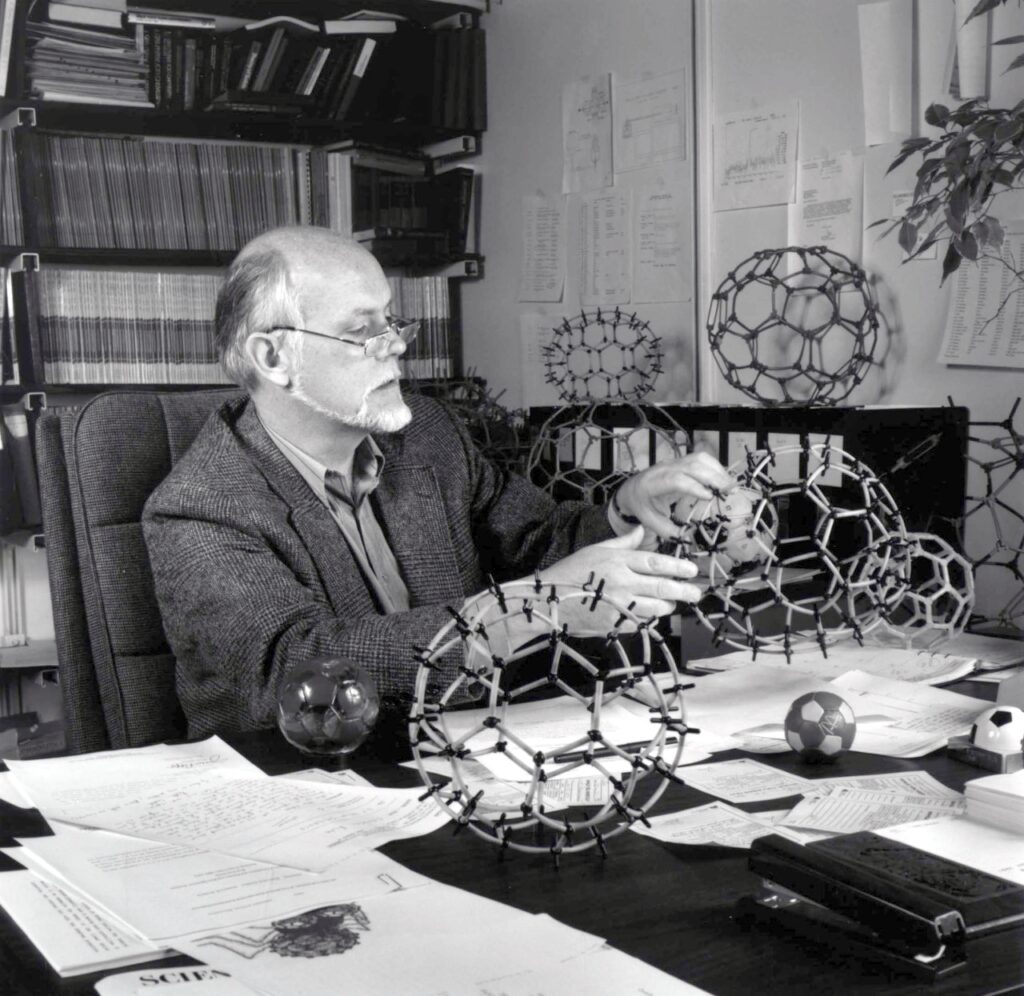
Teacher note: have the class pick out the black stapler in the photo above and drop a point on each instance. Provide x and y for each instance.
(880, 900)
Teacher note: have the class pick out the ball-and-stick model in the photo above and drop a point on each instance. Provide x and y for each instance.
(601, 355)
(835, 571)
(604, 690)
(820, 726)
(992, 527)
(584, 455)
(794, 326)
(936, 601)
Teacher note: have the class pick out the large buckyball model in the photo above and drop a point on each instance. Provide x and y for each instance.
(794, 326)
(588, 730)
(833, 567)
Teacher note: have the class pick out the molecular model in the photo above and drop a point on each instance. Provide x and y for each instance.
(836, 570)
(602, 688)
(794, 326)
(992, 527)
(937, 602)
(579, 455)
(602, 356)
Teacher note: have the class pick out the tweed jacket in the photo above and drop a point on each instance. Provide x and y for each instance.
(253, 575)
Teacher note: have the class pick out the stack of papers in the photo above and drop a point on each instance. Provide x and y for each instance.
(997, 800)
(273, 882)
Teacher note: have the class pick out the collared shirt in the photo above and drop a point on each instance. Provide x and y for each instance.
(348, 502)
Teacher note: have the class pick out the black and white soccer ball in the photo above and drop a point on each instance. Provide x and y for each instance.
(820, 726)
(999, 728)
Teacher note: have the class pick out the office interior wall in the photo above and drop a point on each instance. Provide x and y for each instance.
(765, 51)
(534, 48)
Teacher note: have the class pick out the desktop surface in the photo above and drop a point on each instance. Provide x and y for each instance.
(670, 905)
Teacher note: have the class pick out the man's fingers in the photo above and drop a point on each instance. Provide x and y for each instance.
(661, 564)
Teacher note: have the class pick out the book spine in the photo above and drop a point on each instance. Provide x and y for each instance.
(27, 332)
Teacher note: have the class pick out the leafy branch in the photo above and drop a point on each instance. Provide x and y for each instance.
(978, 156)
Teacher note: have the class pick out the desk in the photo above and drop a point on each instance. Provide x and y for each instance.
(671, 906)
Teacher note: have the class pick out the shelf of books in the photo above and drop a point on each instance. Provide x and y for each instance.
(140, 149)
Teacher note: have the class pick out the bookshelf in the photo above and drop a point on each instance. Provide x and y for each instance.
(120, 207)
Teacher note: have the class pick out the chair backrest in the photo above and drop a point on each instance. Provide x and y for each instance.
(97, 467)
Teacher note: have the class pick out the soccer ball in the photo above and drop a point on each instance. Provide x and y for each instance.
(327, 707)
(1000, 728)
(820, 726)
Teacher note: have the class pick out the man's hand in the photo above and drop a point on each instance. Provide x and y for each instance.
(652, 582)
(649, 495)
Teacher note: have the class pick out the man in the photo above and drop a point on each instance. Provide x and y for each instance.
(325, 513)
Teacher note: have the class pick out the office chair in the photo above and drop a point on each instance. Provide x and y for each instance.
(97, 467)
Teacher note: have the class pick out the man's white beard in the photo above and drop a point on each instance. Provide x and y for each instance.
(391, 419)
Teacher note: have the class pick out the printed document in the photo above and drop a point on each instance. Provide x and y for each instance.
(755, 156)
(715, 823)
(886, 65)
(662, 242)
(604, 248)
(829, 207)
(847, 810)
(542, 270)
(650, 121)
(587, 134)
(985, 320)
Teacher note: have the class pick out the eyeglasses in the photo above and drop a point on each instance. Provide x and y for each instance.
(374, 346)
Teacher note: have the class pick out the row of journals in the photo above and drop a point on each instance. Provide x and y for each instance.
(143, 326)
(128, 193)
(407, 73)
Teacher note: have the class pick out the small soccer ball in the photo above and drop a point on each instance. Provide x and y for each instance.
(1000, 728)
(820, 726)
(327, 707)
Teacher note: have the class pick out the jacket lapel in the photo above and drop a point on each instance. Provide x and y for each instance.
(413, 514)
(343, 581)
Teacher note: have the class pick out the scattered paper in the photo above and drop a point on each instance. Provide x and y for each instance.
(847, 810)
(542, 271)
(587, 134)
(343, 777)
(71, 933)
(10, 793)
(715, 823)
(829, 207)
(985, 321)
(604, 248)
(755, 156)
(744, 780)
(932, 668)
(650, 121)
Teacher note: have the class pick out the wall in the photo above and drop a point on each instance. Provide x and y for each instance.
(535, 47)
(764, 51)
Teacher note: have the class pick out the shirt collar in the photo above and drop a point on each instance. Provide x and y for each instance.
(367, 466)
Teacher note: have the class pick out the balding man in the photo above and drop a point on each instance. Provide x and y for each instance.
(324, 513)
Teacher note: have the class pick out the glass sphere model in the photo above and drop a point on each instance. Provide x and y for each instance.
(327, 707)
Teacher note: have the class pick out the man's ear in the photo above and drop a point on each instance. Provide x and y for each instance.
(270, 358)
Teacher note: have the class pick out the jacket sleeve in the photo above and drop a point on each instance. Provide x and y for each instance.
(242, 601)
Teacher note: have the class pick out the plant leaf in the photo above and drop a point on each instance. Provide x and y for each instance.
(907, 236)
(936, 114)
(1012, 40)
(1016, 64)
(983, 7)
(950, 262)
(995, 233)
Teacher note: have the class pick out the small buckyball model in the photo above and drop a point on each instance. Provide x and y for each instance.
(794, 326)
